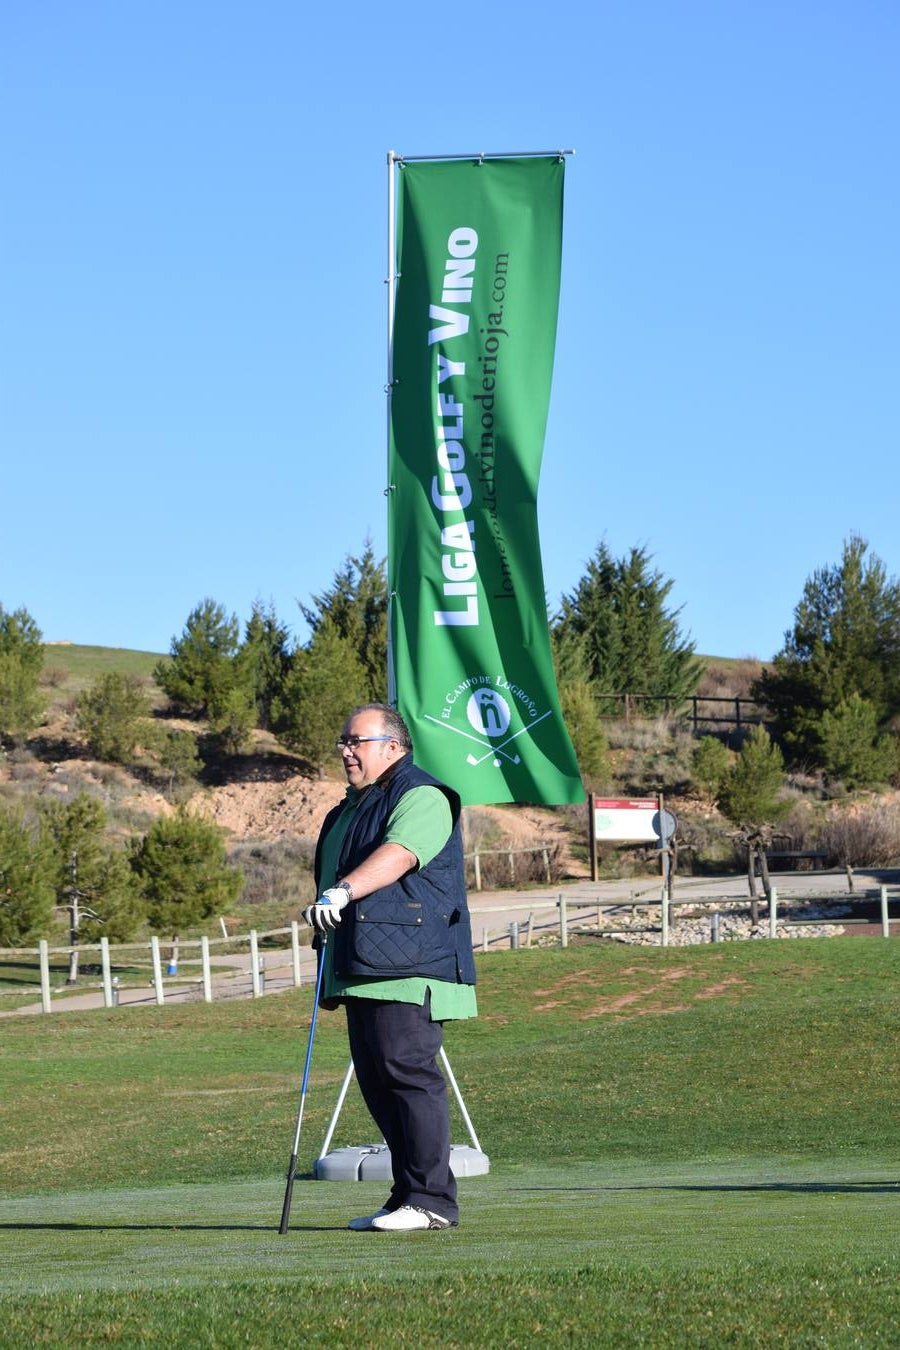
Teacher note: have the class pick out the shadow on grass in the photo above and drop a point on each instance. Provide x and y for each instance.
(795, 1187)
(167, 1228)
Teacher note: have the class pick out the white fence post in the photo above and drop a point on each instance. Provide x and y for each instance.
(885, 921)
(207, 974)
(44, 950)
(477, 872)
(254, 963)
(107, 973)
(773, 912)
(157, 970)
(295, 952)
(664, 909)
(563, 922)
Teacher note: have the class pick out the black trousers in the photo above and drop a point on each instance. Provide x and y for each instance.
(394, 1048)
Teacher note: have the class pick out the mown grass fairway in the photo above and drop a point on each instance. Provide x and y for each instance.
(688, 1147)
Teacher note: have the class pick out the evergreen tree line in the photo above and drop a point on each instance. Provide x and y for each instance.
(832, 692)
(58, 856)
(299, 693)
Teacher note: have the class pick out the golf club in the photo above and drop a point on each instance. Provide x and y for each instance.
(470, 759)
(292, 1165)
(498, 749)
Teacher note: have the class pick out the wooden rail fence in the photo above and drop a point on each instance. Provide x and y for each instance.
(698, 709)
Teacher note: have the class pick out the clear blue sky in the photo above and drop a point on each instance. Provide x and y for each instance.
(192, 255)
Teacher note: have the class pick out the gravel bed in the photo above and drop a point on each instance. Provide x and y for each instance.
(734, 925)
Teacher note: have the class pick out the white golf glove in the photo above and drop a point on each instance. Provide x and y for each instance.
(325, 914)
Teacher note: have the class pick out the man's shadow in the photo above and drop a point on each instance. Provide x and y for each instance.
(791, 1187)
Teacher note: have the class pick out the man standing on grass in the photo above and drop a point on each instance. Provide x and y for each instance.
(392, 902)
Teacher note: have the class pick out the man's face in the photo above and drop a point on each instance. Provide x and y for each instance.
(366, 762)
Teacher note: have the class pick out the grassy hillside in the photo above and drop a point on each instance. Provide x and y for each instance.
(687, 1148)
(69, 668)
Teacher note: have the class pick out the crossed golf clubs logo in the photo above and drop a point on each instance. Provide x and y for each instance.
(489, 712)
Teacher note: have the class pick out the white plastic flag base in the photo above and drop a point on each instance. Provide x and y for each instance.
(372, 1162)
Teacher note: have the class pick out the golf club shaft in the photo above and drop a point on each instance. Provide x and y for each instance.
(292, 1166)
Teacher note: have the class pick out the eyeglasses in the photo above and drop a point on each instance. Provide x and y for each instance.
(351, 742)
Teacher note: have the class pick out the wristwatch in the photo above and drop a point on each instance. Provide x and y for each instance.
(345, 886)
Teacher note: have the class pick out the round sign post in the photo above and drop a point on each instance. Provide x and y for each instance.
(665, 823)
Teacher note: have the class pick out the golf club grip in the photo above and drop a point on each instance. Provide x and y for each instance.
(288, 1195)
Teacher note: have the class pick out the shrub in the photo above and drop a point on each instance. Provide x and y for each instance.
(852, 750)
(751, 793)
(579, 710)
(183, 873)
(500, 869)
(112, 715)
(867, 836)
(710, 764)
(281, 872)
(179, 759)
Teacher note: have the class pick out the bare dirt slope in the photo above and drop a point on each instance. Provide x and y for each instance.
(269, 811)
(267, 797)
(293, 807)
(528, 826)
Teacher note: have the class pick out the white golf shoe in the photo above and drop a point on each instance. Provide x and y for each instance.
(410, 1219)
(367, 1221)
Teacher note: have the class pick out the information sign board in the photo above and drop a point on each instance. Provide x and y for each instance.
(629, 820)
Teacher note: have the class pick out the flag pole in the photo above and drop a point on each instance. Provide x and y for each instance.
(391, 281)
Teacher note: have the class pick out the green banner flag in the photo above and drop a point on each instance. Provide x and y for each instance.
(478, 261)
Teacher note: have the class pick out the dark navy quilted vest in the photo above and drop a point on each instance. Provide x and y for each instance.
(419, 925)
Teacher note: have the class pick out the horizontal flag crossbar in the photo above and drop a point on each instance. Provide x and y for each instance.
(393, 157)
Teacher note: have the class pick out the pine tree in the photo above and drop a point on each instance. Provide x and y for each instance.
(264, 660)
(578, 705)
(325, 681)
(183, 873)
(845, 641)
(86, 862)
(356, 606)
(232, 717)
(21, 661)
(852, 749)
(632, 642)
(201, 672)
(26, 879)
(113, 716)
(751, 793)
(710, 764)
